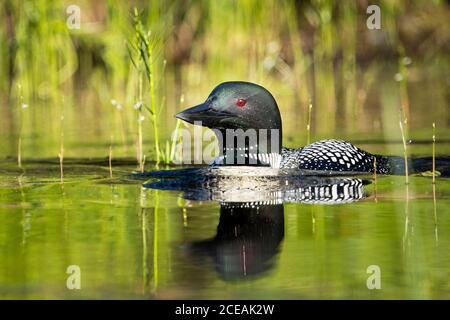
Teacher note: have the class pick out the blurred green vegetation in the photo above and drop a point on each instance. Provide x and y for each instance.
(81, 83)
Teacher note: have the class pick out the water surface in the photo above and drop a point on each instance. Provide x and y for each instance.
(135, 242)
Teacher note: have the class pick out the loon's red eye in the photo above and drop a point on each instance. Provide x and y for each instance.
(241, 102)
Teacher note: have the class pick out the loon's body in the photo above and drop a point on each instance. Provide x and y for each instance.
(245, 107)
(323, 155)
(333, 155)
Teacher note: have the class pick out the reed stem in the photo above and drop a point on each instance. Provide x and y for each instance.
(19, 152)
(404, 84)
(140, 144)
(434, 153)
(61, 163)
(110, 160)
(61, 149)
(375, 176)
(19, 143)
(308, 125)
(140, 118)
(405, 153)
(153, 105)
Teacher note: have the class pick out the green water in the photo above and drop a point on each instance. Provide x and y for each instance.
(131, 242)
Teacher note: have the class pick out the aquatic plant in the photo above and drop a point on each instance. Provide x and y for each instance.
(434, 153)
(405, 152)
(143, 47)
(61, 151)
(308, 125)
(21, 107)
(375, 177)
(402, 78)
(110, 159)
(140, 118)
(61, 146)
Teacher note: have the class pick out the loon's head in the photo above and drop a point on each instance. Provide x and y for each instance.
(236, 105)
(246, 120)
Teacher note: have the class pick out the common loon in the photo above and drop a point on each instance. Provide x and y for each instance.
(245, 105)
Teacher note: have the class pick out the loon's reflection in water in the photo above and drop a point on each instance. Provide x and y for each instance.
(248, 238)
(251, 224)
(258, 185)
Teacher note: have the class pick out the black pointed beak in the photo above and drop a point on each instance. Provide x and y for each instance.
(197, 113)
(204, 113)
